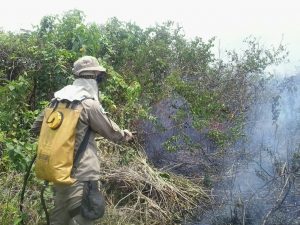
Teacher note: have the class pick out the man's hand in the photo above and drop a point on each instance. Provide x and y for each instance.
(129, 136)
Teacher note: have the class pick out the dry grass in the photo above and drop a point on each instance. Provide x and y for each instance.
(10, 188)
(137, 193)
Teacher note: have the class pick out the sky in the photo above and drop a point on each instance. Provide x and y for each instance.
(230, 21)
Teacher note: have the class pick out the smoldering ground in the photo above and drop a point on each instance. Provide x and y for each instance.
(261, 182)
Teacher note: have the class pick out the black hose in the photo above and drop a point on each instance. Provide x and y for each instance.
(26, 177)
(44, 203)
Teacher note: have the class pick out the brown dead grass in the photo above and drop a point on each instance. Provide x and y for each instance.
(138, 193)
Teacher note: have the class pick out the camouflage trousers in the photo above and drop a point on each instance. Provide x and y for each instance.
(66, 199)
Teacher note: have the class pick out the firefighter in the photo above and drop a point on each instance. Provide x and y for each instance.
(81, 202)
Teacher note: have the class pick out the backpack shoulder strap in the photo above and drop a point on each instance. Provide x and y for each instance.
(84, 142)
(82, 146)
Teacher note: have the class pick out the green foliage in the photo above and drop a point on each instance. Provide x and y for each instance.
(172, 144)
(10, 186)
(219, 137)
(15, 121)
(180, 115)
(125, 107)
(218, 92)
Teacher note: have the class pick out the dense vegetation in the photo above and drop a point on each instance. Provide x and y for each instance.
(144, 66)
